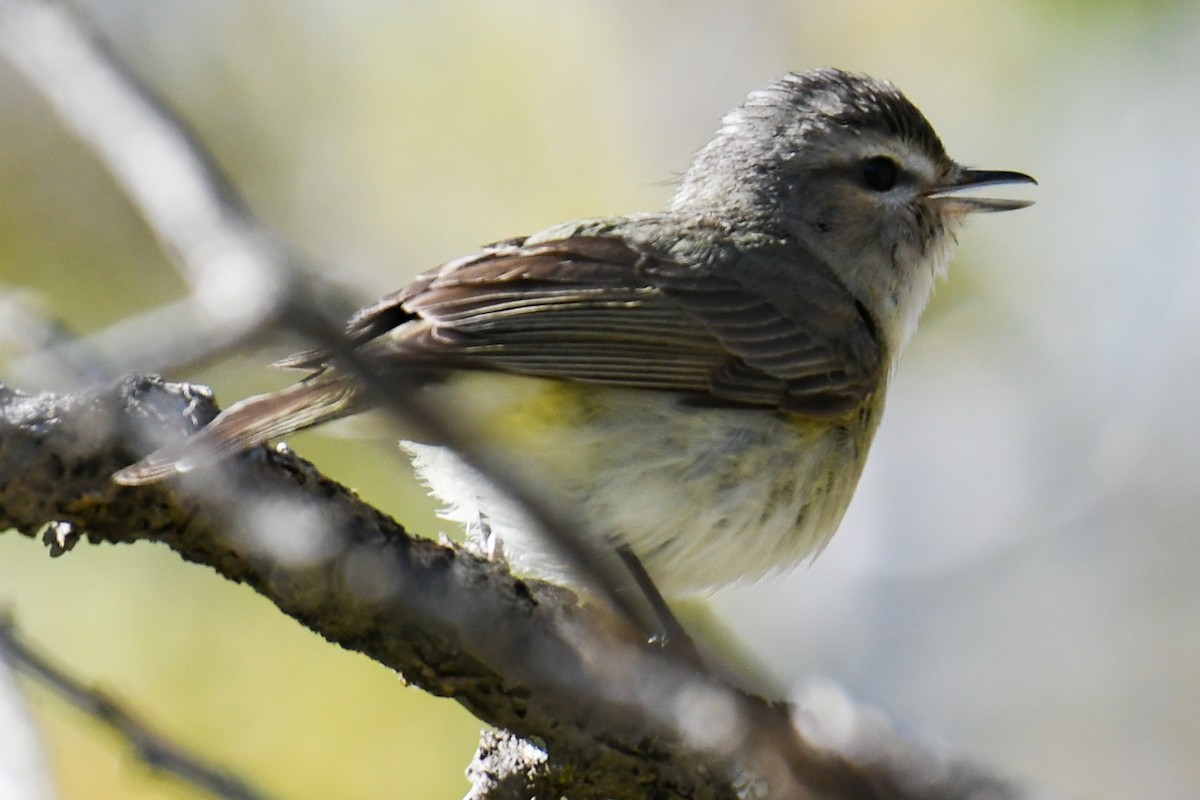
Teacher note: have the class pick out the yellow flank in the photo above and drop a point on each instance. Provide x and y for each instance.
(517, 413)
(534, 408)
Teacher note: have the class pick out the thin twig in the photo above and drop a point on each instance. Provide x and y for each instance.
(151, 747)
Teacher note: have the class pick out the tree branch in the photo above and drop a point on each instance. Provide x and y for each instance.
(617, 718)
(244, 280)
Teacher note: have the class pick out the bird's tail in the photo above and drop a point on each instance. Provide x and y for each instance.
(251, 422)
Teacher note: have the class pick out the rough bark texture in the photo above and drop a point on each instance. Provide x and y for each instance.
(612, 716)
(438, 616)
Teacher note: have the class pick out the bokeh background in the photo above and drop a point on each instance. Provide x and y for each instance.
(1018, 579)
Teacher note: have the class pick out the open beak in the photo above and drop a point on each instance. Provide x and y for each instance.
(972, 178)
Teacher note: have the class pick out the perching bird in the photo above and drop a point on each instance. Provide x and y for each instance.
(700, 385)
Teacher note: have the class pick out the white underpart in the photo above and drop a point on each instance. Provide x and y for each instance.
(909, 297)
(704, 497)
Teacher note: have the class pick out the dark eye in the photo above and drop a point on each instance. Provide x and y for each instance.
(880, 173)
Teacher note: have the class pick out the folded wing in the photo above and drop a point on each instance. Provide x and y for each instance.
(600, 309)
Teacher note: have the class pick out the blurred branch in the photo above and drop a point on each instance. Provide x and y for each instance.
(617, 718)
(244, 280)
(240, 275)
(233, 265)
(152, 748)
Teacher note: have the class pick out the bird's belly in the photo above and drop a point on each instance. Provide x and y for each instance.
(704, 496)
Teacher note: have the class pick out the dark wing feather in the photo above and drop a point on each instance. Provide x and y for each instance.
(599, 309)
(794, 327)
(574, 308)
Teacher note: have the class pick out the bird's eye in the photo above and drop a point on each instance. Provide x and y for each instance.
(880, 173)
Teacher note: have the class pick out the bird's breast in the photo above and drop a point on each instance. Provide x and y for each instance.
(704, 496)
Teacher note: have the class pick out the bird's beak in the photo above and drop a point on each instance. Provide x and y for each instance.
(971, 178)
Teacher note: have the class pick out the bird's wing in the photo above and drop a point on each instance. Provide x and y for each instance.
(788, 320)
(601, 309)
(764, 330)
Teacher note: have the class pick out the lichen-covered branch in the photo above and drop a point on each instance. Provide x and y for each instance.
(448, 622)
(615, 717)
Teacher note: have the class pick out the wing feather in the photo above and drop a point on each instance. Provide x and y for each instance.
(599, 308)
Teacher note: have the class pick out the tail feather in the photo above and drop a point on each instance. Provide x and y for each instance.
(248, 423)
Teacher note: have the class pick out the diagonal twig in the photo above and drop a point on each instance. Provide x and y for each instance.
(244, 279)
(151, 747)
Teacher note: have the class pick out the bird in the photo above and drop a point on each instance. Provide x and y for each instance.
(699, 386)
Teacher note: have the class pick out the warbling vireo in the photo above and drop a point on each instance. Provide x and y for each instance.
(699, 385)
